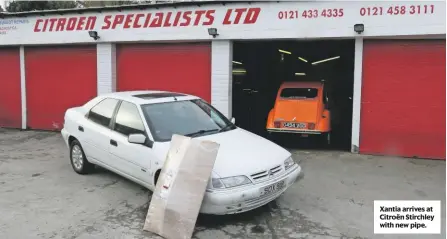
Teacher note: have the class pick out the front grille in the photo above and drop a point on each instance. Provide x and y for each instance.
(267, 174)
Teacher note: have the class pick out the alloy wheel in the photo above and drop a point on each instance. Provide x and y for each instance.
(77, 157)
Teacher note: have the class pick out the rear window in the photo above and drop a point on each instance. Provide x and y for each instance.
(299, 93)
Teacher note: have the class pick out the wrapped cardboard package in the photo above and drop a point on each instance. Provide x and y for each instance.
(181, 186)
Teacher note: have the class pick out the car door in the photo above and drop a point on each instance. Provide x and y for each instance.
(96, 130)
(132, 159)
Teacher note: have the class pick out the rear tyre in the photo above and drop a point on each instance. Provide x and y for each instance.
(78, 160)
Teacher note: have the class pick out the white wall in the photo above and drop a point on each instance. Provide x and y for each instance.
(221, 76)
(23, 86)
(339, 19)
(357, 95)
(106, 67)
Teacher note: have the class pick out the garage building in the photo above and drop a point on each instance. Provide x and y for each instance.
(383, 64)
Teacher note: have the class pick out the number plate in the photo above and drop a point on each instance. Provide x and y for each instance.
(294, 125)
(272, 188)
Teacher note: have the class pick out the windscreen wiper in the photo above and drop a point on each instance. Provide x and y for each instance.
(200, 132)
(226, 127)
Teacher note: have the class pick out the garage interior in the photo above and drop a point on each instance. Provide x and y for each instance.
(259, 68)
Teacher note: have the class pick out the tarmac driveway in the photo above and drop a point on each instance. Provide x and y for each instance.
(41, 196)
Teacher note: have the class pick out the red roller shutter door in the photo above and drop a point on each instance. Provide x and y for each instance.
(173, 67)
(10, 96)
(403, 98)
(57, 78)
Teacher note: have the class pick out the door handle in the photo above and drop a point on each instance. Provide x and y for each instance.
(113, 142)
(80, 128)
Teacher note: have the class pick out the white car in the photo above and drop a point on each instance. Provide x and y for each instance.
(129, 133)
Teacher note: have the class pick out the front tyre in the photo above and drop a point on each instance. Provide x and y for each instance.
(78, 160)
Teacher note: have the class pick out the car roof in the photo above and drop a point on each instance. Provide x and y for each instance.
(149, 96)
(302, 84)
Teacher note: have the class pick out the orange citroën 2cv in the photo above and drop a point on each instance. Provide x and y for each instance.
(300, 108)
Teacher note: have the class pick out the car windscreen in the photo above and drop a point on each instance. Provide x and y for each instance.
(299, 93)
(190, 118)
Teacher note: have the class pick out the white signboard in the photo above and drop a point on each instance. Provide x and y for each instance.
(233, 21)
(407, 217)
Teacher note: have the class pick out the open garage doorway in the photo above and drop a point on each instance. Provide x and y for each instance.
(261, 67)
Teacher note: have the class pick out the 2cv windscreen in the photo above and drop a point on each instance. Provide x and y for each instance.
(299, 93)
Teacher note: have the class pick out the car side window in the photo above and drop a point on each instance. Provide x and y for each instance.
(102, 112)
(128, 120)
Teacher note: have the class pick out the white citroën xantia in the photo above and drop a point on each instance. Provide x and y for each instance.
(129, 133)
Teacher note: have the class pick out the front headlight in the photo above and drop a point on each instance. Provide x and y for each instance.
(289, 162)
(230, 182)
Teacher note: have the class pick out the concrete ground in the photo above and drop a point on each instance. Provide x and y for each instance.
(41, 196)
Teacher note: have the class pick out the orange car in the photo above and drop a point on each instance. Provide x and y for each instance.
(300, 108)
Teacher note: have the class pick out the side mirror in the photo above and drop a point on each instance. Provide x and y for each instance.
(137, 138)
(233, 120)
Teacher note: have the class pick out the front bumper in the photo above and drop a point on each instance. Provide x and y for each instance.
(234, 201)
(65, 136)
